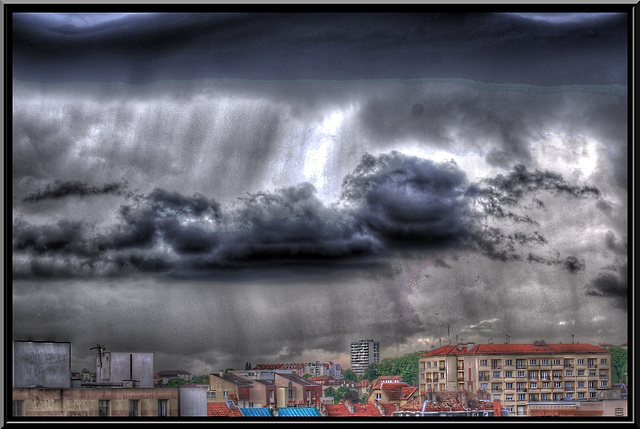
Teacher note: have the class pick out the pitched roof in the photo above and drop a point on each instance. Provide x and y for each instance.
(220, 409)
(256, 412)
(528, 349)
(172, 372)
(297, 379)
(234, 379)
(299, 412)
(396, 391)
(359, 410)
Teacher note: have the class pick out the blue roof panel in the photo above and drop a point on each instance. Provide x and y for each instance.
(299, 412)
(256, 412)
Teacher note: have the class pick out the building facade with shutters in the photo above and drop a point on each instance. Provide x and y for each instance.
(519, 374)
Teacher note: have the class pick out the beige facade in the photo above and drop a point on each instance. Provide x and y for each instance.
(518, 374)
(99, 402)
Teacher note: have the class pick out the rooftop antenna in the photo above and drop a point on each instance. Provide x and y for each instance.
(572, 338)
(449, 334)
(508, 338)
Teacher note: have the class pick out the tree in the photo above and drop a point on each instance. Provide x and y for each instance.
(306, 376)
(247, 365)
(340, 394)
(351, 396)
(347, 374)
(619, 359)
(176, 382)
(371, 373)
(329, 391)
(200, 379)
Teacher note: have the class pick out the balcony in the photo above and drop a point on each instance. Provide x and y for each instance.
(484, 378)
(497, 390)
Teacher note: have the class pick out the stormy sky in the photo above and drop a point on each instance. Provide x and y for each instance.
(226, 187)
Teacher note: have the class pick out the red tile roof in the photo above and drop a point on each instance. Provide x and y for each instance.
(396, 391)
(359, 410)
(220, 409)
(527, 349)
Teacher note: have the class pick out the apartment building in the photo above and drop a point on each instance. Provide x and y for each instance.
(363, 354)
(518, 374)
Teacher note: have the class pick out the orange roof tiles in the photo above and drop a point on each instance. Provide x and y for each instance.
(220, 409)
(396, 391)
(481, 349)
(359, 410)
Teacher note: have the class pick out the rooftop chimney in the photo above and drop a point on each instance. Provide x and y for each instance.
(221, 373)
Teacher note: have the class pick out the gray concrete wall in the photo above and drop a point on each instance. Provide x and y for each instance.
(124, 366)
(41, 363)
(193, 401)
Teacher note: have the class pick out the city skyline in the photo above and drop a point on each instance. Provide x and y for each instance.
(222, 188)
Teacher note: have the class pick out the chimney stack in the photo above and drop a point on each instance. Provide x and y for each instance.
(221, 373)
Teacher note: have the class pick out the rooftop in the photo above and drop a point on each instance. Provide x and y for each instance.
(502, 349)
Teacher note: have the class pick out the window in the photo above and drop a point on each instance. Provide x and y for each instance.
(592, 395)
(603, 384)
(428, 364)
(508, 397)
(508, 362)
(581, 373)
(545, 385)
(211, 394)
(17, 408)
(508, 386)
(592, 373)
(569, 373)
(162, 407)
(533, 361)
(544, 396)
(603, 361)
(580, 383)
(580, 395)
(580, 361)
(569, 395)
(522, 396)
(496, 374)
(556, 375)
(520, 387)
(520, 363)
(557, 396)
(103, 408)
(534, 385)
(225, 394)
(568, 386)
(557, 384)
(270, 395)
(483, 386)
(533, 397)
(545, 362)
(533, 375)
(591, 362)
(290, 393)
(133, 407)
(520, 373)
(483, 362)
(544, 375)
(508, 374)
(619, 412)
(556, 361)
(378, 396)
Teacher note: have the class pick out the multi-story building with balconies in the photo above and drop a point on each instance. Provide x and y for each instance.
(518, 374)
(363, 354)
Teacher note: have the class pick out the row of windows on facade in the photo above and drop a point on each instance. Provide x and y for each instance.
(213, 394)
(532, 374)
(520, 363)
(103, 408)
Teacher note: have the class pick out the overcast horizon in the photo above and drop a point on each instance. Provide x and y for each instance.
(223, 188)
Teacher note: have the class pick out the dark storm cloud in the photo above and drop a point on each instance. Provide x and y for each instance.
(144, 48)
(610, 285)
(61, 189)
(496, 192)
(389, 203)
(409, 201)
